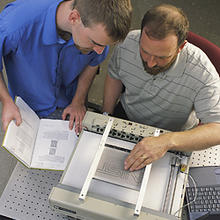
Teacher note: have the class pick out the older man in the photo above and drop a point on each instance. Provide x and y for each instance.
(165, 80)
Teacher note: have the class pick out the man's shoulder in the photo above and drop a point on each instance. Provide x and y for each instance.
(133, 37)
(194, 50)
(194, 53)
(22, 5)
(131, 42)
(19, 13)
(197, 61)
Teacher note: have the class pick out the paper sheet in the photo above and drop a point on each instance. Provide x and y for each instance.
(20, 140)
(54, 144)
(40, 143)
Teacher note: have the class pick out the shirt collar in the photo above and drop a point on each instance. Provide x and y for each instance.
(50, 35)
(178, 67)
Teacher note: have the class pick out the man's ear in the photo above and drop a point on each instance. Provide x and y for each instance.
(74, 17)
(182, 45)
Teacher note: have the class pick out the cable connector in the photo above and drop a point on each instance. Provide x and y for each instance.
(183, 165)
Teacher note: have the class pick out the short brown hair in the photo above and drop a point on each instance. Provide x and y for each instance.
(165, 19)
(115, 15)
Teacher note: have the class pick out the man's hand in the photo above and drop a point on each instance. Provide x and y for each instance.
(145, 152)
(76, 111)
(10, 112)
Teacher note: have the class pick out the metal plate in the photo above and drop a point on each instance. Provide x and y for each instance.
(208, 157)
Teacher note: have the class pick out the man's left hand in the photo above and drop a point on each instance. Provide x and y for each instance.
(76, 112)
(145, 152)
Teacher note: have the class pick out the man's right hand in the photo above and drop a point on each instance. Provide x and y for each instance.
(10, 111)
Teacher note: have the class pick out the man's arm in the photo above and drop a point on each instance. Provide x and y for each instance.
(76, 110)
(9, 110)
(112, 92)
(150, 149)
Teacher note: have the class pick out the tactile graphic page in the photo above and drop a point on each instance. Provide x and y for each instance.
(111, 169)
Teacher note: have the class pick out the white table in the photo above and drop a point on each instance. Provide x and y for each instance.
(26, 195)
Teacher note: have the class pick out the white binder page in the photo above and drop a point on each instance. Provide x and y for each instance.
(54, 144)
(19, 140)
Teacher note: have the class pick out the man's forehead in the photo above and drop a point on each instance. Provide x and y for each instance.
(163, 47)
(169, 36)
(98, 35)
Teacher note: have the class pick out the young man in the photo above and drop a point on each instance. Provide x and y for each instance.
(166, 79)
(52, 49)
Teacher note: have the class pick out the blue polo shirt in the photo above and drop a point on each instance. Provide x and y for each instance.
(41, 67)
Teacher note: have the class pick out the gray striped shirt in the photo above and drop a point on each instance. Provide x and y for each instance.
(167, 99)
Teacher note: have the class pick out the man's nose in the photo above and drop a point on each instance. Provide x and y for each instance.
(151, 62)
(98, 49)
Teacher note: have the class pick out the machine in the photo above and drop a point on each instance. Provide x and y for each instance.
(95, 186)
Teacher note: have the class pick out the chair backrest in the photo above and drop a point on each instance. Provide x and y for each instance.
(211, 50)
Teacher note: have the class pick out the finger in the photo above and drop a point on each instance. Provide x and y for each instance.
(135, 152)
(71, 123)
(64, 115)
(144, 164)
(77, 130)
(77, 125)
(131, 159)
(79, 121)
(18, 119)
(137, 163)
(80, 124)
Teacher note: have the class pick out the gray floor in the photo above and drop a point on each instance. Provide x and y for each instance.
(204, 18)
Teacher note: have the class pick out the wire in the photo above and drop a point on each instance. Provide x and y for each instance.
(195, 197)
(178, 155)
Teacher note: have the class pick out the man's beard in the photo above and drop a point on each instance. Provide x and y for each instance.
(158, 69)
